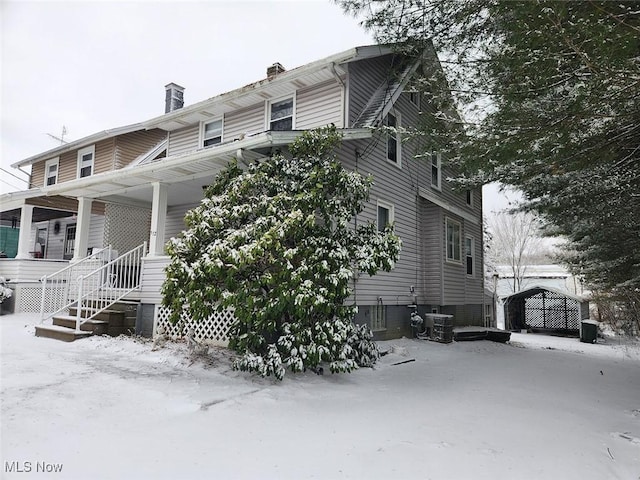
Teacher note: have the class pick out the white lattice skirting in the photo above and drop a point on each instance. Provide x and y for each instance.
(28, 297)
(213, 331)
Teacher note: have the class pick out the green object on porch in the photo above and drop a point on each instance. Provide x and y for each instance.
(589, 331)
(9, 241)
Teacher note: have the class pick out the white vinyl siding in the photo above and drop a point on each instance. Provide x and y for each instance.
(319, 106)
(184, 140)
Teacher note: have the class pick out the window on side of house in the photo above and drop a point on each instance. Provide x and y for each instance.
(414, 97)
(453, 240)
(436, 170)
(51, 171)
(86, 157)
(394, 152)
(385, 215)
(469, 198)
(378, 317)
(212, 133)
(281, 114)
(469, 248)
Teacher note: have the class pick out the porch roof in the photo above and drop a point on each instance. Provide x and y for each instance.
(186, 174)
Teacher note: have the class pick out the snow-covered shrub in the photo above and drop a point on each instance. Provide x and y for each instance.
(5, 292)
(275, 243)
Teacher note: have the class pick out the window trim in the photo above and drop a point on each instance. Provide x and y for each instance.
(398, 139)
(450, 221)
(438, 166)
(203, 129)
(469, 198)
(378, 317)
(470, 255)
(389, 207)
(414, 98)
(267, 118)
(82, 152)
(53, 161)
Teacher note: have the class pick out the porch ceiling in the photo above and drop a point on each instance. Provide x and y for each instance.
(39, 214)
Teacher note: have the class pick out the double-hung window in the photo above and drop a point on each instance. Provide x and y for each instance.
(86, 157)
(469, 198)
(393, 138)
(51, 171)
(469, 248)
(453, 240)
(385, 215)
(281, 114)
(436, 170)
(212, 133)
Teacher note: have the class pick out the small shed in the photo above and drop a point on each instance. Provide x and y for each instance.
(545, 309)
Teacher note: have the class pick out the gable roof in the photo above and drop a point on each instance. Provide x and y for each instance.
(272, 87)
(279, 85)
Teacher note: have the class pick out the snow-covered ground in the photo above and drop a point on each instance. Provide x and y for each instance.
(111, 408)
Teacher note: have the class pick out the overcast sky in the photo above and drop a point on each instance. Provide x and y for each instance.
(91, 66)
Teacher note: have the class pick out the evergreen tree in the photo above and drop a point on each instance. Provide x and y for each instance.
(274, 243)
(550, 92)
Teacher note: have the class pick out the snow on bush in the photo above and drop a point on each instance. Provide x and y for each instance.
(5, 292)
(274, 242)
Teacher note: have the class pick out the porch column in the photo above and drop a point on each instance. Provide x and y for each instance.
(158, 219)
(26, 218)
(82, 228)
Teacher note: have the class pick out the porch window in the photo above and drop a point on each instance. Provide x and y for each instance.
(385, 215)
(453, 240)
(436, 170)
(469, 247)
(86, 158)
(393, 139)
(281, 115)
(212, 133)
(51, 171)
(69, 241)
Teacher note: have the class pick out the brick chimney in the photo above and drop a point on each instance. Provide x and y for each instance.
(174, 97)
(274, 70)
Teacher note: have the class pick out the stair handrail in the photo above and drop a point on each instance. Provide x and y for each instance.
(62, 280)
(108, 284)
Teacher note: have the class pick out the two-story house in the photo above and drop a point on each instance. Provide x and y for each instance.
(131, 185)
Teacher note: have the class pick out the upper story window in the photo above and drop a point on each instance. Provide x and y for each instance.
(281, 114)
(385, 215)
(436, 170)
(469, 248)
(393, 138)
(86, 157)
(212, 133)
(469, 197)
(453, 240)
(51, 171)
(414, 96)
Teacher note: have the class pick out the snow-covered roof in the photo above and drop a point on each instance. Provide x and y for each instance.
(534, 271)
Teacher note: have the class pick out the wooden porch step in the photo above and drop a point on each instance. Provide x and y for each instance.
(60, 333)
(115, 318)
(96, 327)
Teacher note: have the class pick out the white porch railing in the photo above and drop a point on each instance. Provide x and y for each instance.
(92, 284)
